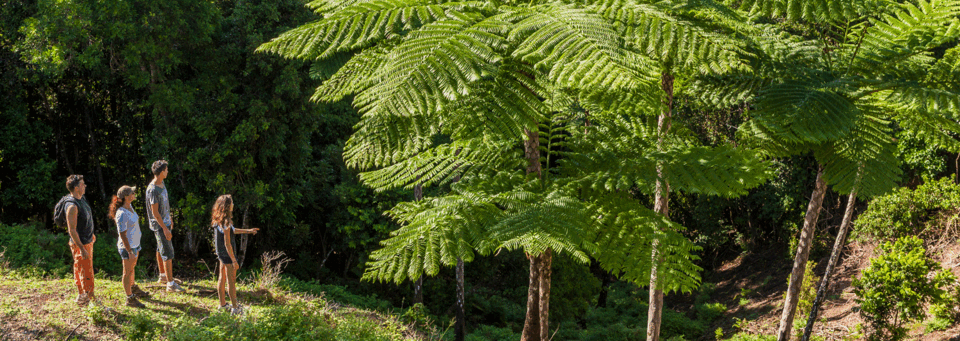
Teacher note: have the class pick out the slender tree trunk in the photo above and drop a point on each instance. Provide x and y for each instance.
(800, 261)
(531, 323)
(418, 285)
(834, 258)
(460, 330)
(662, 206)
(535, 312)
(546, 263)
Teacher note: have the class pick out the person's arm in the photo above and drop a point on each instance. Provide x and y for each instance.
(247, 231)
(72, 229)
(155, 209)
(228, 242)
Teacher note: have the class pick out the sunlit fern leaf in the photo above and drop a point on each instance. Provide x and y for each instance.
(810, 10)
(385, 140)
(436, 64)
(434, 232)
(865, 159)
(623, 239)
(805, 111)
(357, 74)
(655, 32)
(442, 163)
(907, 31)
(359, 25)
(539, 221)
(578, 47)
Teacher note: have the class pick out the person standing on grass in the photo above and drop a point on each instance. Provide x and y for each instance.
(226, 245)
(128, 241)
(158, 213)
(79, 219)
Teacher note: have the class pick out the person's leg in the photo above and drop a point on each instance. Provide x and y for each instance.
(86, 273)
(160, 268)
(232, 284)
(168, 265)
(77, 269)
(127, 278)
(221, 283)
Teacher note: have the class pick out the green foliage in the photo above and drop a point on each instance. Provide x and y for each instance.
(335, 294)
(907, 212)
(491, 333)
(751, 337)
(28, 248)
(897, 286)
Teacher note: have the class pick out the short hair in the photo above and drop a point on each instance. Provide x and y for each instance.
(73, 180)
(158, 167)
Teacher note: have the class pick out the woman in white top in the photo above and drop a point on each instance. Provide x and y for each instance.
(128, 243)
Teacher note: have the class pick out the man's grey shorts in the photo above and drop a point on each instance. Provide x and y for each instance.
(164, 246)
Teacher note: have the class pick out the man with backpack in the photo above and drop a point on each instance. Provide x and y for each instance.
(158, 214)
(74, 212)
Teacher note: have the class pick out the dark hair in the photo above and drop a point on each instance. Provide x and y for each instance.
(115, 203)
(158, 167)
(221, 213)
(72, 181)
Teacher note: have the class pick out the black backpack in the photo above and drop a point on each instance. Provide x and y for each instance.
(60, 211)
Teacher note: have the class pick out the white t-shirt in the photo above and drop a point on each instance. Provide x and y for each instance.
(128, 222)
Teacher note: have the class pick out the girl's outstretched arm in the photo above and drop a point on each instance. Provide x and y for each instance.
(247, 231)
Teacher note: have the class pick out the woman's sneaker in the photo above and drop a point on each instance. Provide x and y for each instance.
(133, 302)
(225, 308)
(174, 287)
(238, 310)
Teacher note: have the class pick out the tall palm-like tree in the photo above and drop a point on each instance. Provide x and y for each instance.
(836, 94)
(485, 76)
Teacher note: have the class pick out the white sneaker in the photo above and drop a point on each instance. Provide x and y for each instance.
(225, 307)
(238, 310)
(174, 287)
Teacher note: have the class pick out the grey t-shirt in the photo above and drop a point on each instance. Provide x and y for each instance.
(158, 195)
(128, 222)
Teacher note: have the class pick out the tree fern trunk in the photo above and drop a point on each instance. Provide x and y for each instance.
(460, 330)
(418, 285)
(834, 258)
(531, 324)
(546, 262)
(662, 206)
(800, 261)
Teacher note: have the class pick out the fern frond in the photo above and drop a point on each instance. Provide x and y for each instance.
(441, 164)
(624, 236)
(809, 10)
(434, 232)
(540, 221)
(865, 159)
(352, 25)
(805, 111)
(434, 66)
(907, 31)
(356, 75)
(671, 40)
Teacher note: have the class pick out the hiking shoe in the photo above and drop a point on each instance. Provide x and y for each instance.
(163, 280)
(83, 300)
(135, 289)
(133, 302)
(174, 287)
(225, 308)
(238, 310)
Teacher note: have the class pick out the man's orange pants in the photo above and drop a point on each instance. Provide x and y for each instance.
(83, 268)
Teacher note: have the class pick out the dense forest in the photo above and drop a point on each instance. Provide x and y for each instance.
(534, 170)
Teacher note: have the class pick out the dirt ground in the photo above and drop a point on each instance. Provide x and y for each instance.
(759, 280)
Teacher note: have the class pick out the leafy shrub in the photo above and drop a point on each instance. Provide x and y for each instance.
(895, 287)
(140, 327)
(28, 248)
(906, 212)
(709, 312)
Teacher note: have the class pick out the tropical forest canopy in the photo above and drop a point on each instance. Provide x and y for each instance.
(542, 153)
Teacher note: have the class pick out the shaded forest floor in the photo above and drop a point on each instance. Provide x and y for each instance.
(44, 309)
(752, 286)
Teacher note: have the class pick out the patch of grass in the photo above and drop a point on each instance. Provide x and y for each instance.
(48, 305)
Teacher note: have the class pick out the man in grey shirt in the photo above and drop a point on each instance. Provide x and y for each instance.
(158, 213)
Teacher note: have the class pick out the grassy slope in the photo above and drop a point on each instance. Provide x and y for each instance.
(33, 308)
